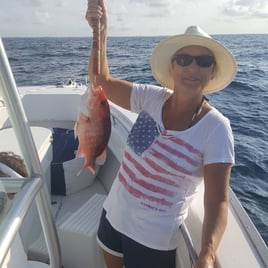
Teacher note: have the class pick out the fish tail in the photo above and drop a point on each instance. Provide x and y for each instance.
(91, 168)
(75, 130)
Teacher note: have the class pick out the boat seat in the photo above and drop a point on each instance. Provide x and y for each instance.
(78, 233)
(16, 257)
(4, 119)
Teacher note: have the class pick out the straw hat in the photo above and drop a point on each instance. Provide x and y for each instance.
(163, 52)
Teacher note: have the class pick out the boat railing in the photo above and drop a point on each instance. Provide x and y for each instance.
(189, 244)
(34, 190)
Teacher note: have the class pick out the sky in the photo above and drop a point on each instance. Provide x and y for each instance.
(35, 18)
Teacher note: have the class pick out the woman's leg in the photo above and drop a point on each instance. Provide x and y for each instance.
(139, 256)
(110, 241)
(112, 261)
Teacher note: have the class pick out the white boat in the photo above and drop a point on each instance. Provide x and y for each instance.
(40, 229)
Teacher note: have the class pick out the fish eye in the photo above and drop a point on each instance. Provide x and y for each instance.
(103, 103)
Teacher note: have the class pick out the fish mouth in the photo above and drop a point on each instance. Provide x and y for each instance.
(94, 90)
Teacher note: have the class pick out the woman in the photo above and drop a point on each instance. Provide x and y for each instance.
(177, 142)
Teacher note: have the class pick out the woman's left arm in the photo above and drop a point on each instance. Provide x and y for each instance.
(216, 202)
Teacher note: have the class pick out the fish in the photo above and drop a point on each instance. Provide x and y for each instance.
(93, 128)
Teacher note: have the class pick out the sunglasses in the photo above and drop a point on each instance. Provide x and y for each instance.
(202, 60)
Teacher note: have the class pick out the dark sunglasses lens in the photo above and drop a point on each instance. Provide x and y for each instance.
(204, 61)
(184, 60)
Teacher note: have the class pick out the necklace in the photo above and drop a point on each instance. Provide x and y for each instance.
(198, 110)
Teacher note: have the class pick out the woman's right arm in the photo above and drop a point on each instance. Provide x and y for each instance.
(118, 91)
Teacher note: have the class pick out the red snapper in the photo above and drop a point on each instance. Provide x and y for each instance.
(93, 127)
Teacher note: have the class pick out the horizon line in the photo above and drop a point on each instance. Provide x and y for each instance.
(82, 36)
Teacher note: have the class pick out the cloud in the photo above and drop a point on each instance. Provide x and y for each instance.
(41, 17)
(42, 3)
(147, 17)
(157, 3)
(246, 8)
(155, 8)
(134, 16)
(42, 11)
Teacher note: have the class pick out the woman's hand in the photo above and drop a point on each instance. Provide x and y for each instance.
(96, 13)
(205, 261)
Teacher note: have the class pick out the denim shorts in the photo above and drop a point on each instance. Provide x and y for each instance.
(134, 254)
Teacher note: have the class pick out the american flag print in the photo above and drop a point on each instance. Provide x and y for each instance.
(155, 166)
(143, 133)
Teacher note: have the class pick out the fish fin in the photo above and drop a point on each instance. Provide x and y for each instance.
(100, 160)
(79, 152)
(79, 172)
(75, 130)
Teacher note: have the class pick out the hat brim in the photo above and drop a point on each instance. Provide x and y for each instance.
(163, 52)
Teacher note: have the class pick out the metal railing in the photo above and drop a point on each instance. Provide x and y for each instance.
(189, 244)
(34, 190)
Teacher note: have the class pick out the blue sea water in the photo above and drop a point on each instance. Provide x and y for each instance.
(43, 61)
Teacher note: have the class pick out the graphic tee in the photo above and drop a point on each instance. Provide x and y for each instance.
(162, 169)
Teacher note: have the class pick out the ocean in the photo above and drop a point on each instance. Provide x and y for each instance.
(44, 61)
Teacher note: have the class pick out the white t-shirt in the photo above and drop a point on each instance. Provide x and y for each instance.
(162, 169)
